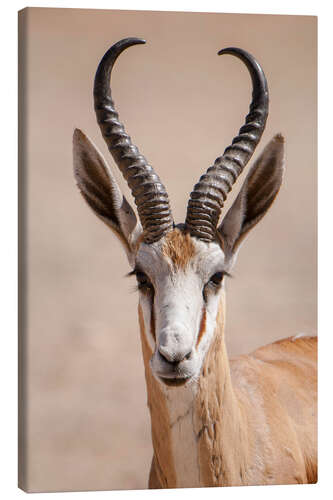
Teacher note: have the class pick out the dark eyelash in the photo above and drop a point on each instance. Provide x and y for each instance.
(218, 277)
(131, 273)
(145, 283)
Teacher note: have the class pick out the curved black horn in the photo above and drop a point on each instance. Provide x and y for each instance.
(208, 196)
(149, 193)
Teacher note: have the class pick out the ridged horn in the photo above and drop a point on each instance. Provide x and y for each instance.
(208, 196)
(148, 191)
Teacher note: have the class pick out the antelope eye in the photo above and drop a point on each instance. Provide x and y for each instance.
(213, 284)
(216, 279)
(143, 281)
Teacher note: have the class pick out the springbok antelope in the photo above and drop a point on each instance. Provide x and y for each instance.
(214, 421)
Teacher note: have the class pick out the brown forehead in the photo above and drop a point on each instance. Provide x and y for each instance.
(179, 247)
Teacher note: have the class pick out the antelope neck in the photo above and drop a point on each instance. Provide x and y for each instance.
(196, 428)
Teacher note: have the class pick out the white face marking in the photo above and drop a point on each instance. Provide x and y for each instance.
(178, 299)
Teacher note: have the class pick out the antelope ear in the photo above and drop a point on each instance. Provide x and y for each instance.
(258, 192)
(101, 191)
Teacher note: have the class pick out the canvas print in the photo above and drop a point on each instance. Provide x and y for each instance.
(167, 166)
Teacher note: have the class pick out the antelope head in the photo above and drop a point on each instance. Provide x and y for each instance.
(180, 269)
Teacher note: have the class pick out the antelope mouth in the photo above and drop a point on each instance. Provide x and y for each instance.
(174, 382)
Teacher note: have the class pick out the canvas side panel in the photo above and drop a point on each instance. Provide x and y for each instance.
(22, 248)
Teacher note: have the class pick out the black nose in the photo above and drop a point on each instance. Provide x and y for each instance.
(173, 358)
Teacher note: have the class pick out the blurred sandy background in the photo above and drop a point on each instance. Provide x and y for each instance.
(87, 422)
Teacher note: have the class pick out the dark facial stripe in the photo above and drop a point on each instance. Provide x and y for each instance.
(202, 325)
(152, 322)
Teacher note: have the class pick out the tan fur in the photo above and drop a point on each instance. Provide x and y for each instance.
(255, 416)
(162, 474)
(179, 248)
(202, 328)
(217, 419)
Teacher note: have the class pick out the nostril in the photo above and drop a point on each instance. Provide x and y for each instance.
(167, 357)
(173, 358)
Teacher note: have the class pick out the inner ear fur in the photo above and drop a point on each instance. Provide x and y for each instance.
(257, 194)
(100, 190)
